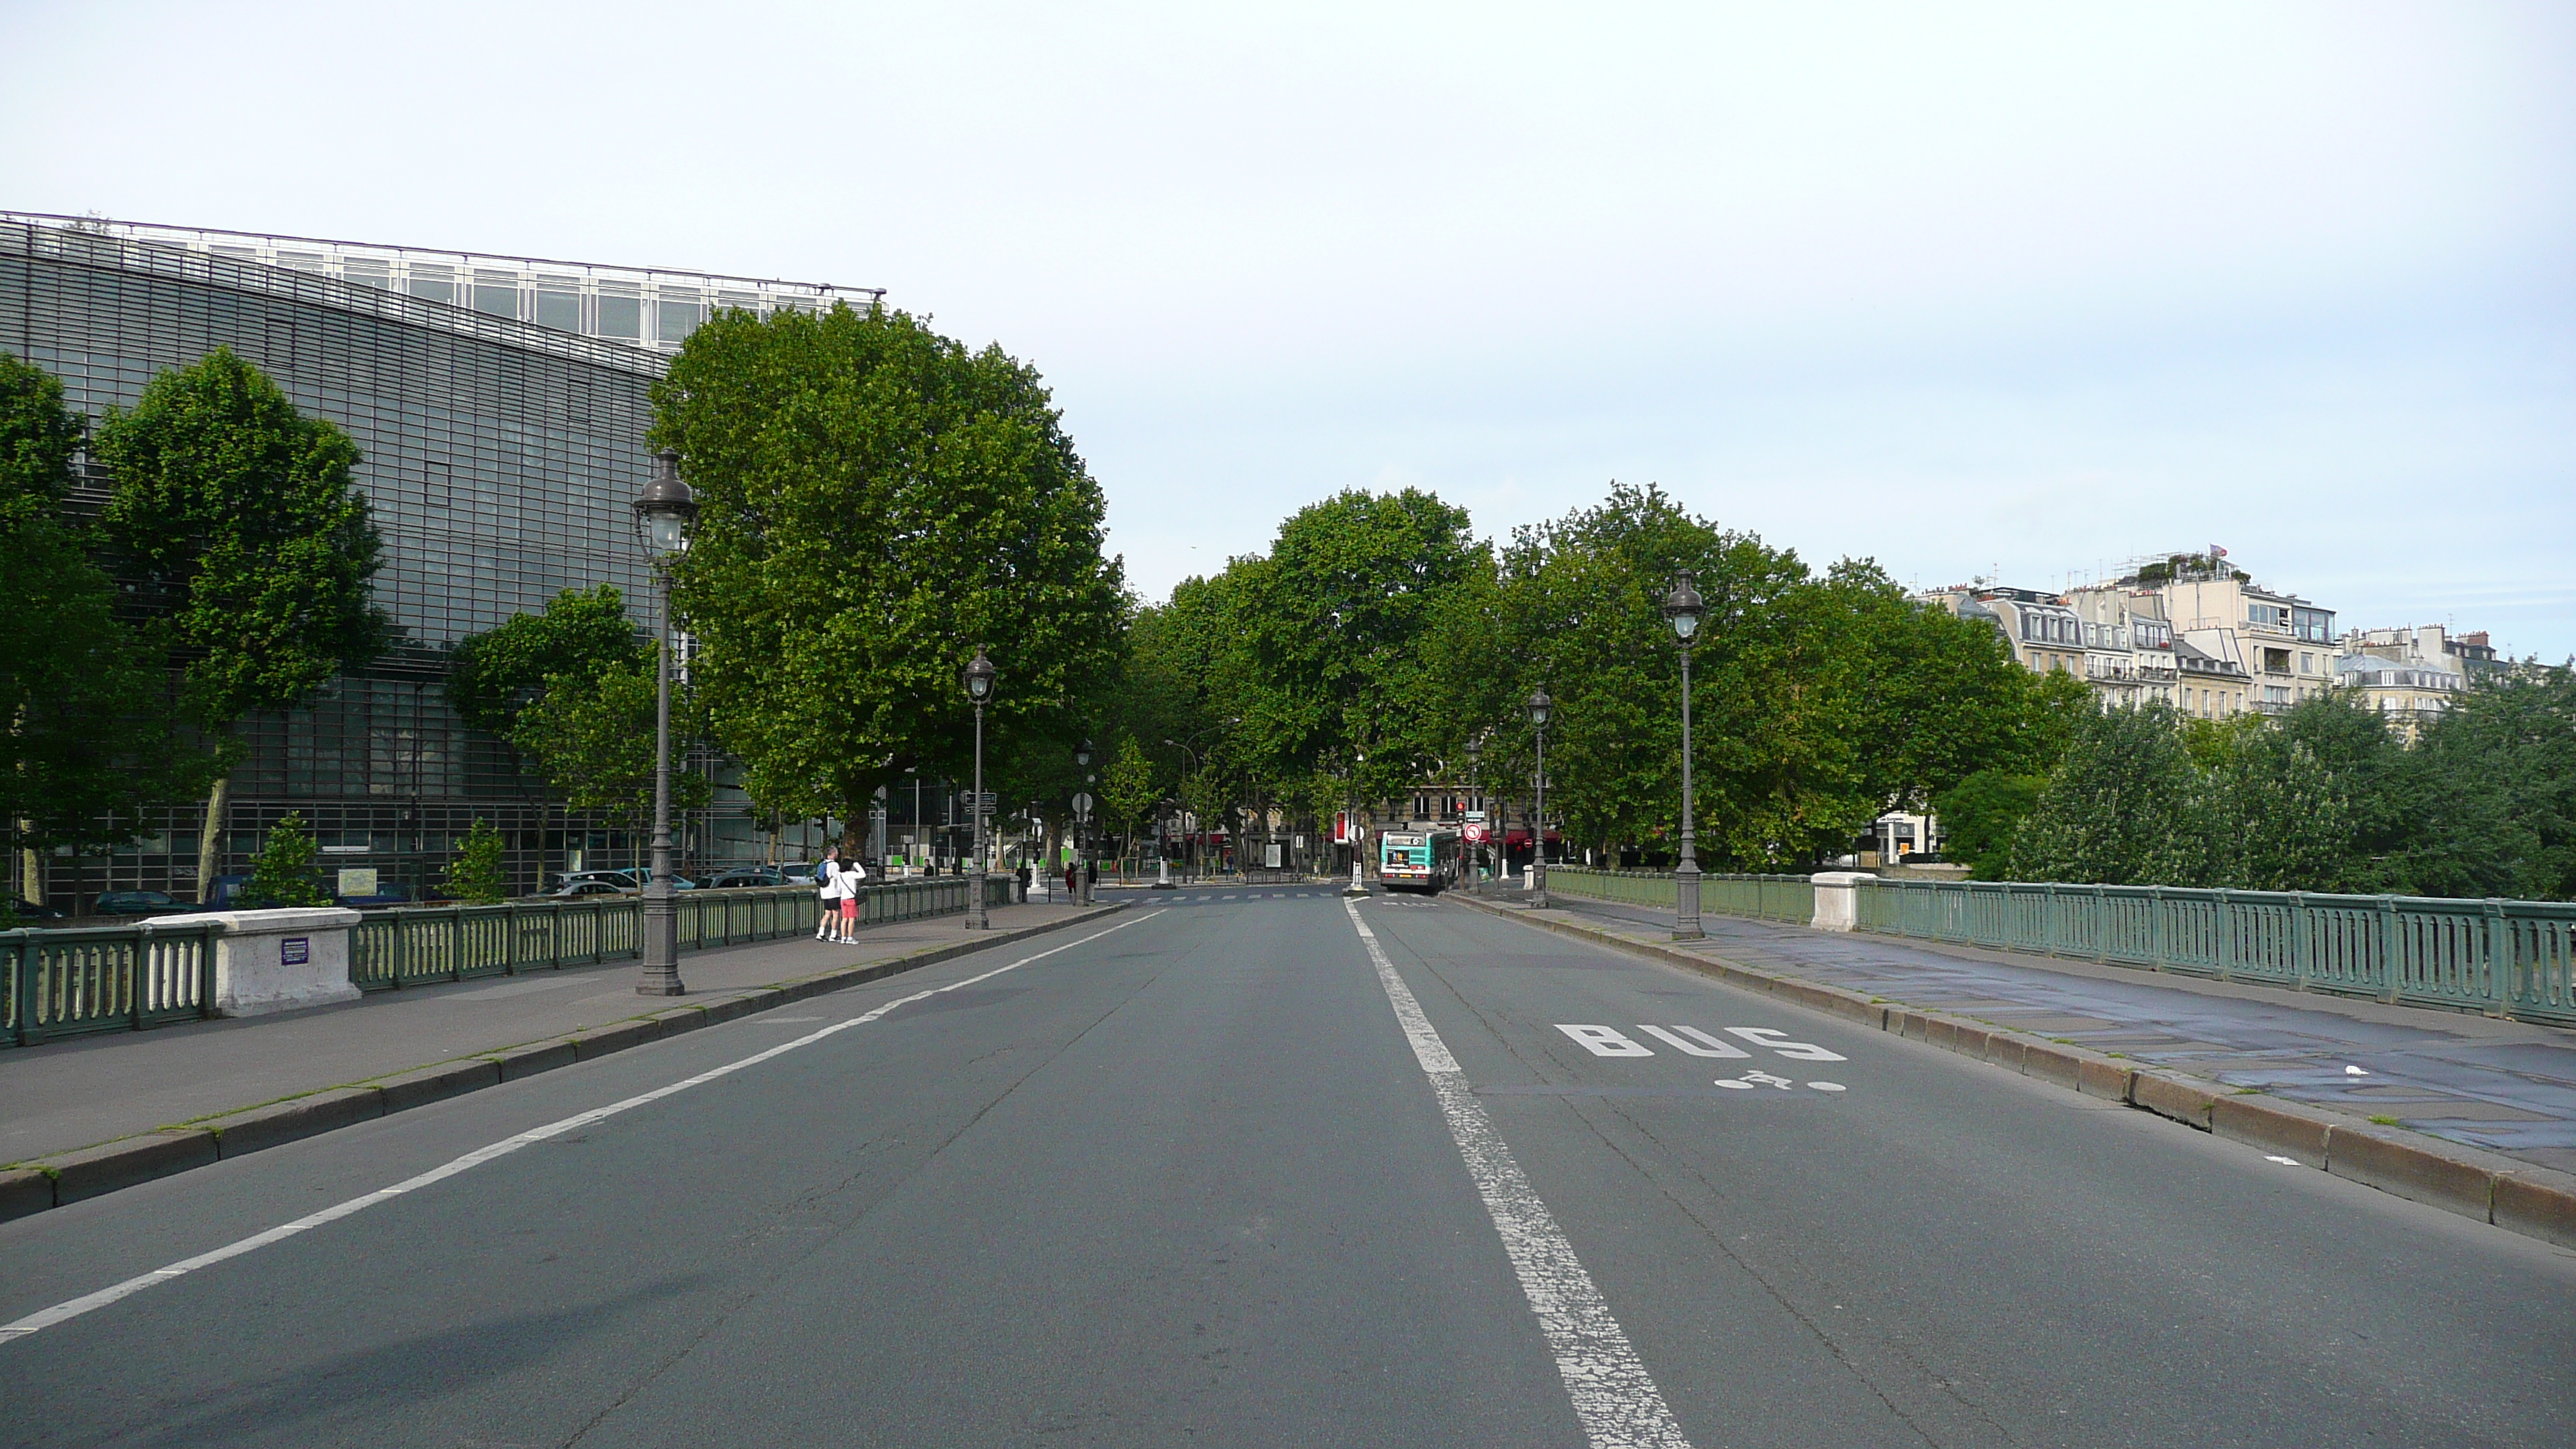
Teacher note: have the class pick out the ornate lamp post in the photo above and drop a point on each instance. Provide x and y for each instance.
(1539, 707)
(662, 516)
(1475, 789)
(978, 675)
(1082, 823)
(1683, 608)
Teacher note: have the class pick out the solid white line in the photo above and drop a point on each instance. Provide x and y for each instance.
(1614, 1396)
(47, 1318)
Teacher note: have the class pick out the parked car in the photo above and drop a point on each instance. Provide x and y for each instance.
(30, 911)
(574, 890)
(225, 892)
(746, 876)
(623, 880)
(139, 903)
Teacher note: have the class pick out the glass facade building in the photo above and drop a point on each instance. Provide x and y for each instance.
(502, 424)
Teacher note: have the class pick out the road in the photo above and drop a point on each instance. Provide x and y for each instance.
(1209, 1173)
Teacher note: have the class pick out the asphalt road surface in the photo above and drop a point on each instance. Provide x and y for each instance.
(1268, 1169)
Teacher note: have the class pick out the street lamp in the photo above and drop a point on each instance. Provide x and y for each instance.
(979, 688)
(663, 513)
(1683, 608)
(1082, 823)
(1539, 707)
(1475, 790)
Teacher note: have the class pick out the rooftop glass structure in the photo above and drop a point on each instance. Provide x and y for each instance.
(655, 308)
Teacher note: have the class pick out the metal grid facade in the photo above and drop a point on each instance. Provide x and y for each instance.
(500, 459)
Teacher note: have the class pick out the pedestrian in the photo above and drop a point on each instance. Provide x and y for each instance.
(1072, 875)
(1023, 874)
(847, 882)
(1090, 876)
(829, 916)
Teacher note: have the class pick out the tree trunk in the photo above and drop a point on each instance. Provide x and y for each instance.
(31, 869)
(209, 833)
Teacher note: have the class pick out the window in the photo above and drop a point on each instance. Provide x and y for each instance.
(496, 299)
(677, 320)
(2276, 661)
(621, 316)
(433, 284)
(559, 310)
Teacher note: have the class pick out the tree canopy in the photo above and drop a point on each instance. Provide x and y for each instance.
(86, 733)
(875, 502)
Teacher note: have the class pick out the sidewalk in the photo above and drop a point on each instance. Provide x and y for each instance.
(2503, 1086)
(72, 1094)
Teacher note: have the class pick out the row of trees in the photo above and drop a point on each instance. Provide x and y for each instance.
(226, 574)
(2323, 798)
(1377, 637)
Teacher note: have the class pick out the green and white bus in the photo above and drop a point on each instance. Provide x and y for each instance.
(1417, 860)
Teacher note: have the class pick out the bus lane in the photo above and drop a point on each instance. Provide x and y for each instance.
(1814, 1233)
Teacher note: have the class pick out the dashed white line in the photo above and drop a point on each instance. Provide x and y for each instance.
(90, 1302)
(1614, 1396)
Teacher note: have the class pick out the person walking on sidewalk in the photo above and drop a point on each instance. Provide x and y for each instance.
(830, 915)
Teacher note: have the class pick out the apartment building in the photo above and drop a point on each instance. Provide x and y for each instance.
(2283, 645)
(2115, 639)
(2411, 674)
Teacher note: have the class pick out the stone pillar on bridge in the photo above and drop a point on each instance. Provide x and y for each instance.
(1838, 899)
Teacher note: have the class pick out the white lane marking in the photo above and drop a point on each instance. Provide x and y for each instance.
(1759, 1077)
(47, 1318)
(1739, 1086)
(1827, 1086)
(2284, 1161)
(1712, 1046)
(1614, 1396)
(1775, 1040)
(1604, 1041)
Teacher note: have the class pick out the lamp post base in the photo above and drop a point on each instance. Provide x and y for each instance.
(1686, 904)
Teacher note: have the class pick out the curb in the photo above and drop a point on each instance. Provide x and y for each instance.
(2518, 1196)
(63, 1178)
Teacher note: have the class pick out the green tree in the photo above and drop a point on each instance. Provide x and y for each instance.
(282, 873)
(86, 737)
(476, 875)
(875, 503)
(238, 517)
(593, 737)
(2269, 816)
(579, 633)
(2489, 793)
(1322, 662)
(1129, 788)
(1980, 816)
(2117, 810)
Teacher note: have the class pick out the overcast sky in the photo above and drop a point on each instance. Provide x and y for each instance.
(1971, 290)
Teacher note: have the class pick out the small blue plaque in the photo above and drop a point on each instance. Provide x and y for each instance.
(294, 950)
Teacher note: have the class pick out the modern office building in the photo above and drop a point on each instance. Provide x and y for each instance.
(501, 405)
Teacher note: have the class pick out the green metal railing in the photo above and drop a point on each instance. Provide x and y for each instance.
(2503, 958)
(103, 978)
(116, 978)
(1758, 897)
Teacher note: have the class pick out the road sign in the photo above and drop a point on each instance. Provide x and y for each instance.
(1082, 805)
(1475, 832)
(1476, 815)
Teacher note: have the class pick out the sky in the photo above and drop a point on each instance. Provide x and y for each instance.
(2005, 291)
